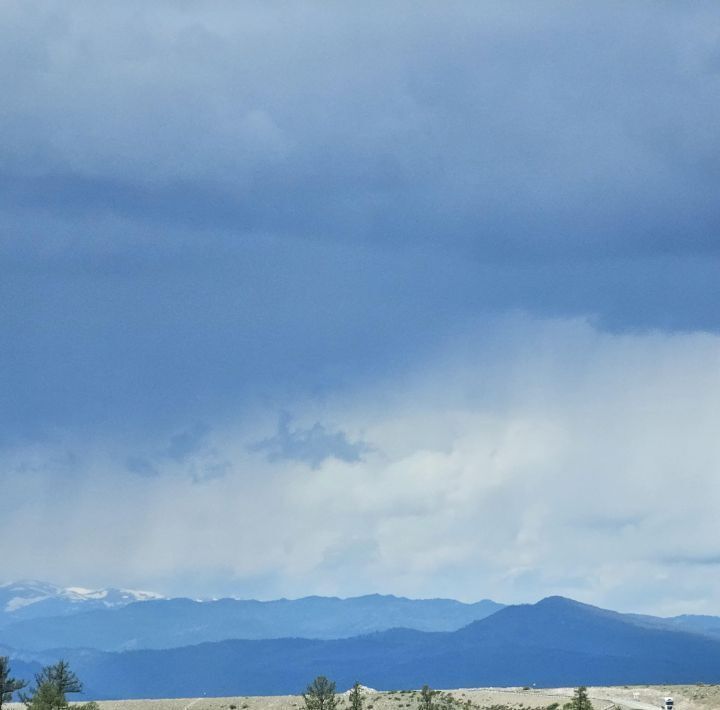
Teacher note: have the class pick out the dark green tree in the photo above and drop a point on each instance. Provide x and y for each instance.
(61, 677)
(320, 694)
(52, 684)
(8, 685)
(580, 700)
(46, 696)
(356, 698)
(426, 698)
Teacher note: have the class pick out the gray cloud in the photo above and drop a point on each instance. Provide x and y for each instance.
(510, 471)
(188, 452)
(140, 466)
(312, 446)
(211, 212)
(692, 560)
(545, 131)
(186, 443)
(185, 202)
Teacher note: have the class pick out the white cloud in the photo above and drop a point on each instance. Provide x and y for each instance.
(534, 458)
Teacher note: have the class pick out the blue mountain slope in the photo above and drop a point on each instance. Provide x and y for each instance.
(556, 642)
(170, 623)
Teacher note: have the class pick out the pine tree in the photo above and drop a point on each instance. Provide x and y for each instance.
(52, 684)
(47, 697)
(580, 700)
(8, 686)
(61, 677)
(320, 695)
(426, 698)
(356, 699)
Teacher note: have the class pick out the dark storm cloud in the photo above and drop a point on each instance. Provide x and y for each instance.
(186, 443)
(201, 206)
(311, 446)
(500, 130)
(188, 452)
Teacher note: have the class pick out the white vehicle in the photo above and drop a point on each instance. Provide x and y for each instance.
(668, 704)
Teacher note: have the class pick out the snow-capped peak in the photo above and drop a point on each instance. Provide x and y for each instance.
(51, 600)
(88, 593)
(112, 596)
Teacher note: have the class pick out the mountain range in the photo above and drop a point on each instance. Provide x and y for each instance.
(170, 623)
(30, 599)
(184, 648)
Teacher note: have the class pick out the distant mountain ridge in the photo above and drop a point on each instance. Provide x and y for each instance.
(31, 599)
(168, 623)
(692, 623)
(556, 642)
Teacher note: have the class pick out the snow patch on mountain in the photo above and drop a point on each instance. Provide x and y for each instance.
(15, 596)
(19, 602)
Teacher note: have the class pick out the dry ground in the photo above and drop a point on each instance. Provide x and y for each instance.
(687, 697)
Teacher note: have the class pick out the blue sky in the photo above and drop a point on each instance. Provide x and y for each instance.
(404, 297)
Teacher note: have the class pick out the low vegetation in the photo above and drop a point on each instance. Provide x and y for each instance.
(321, 695)
(355, 698)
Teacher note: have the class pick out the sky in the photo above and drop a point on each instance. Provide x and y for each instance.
(328, 298)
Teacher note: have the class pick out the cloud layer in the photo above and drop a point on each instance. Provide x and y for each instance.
(554, 458)
(472, 248)
(206, 205)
